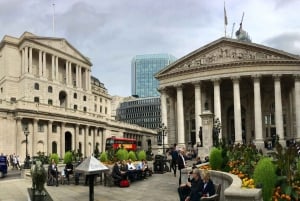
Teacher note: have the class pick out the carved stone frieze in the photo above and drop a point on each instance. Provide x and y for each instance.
(226, 54)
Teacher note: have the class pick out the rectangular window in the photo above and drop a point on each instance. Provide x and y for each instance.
(36, 99)
(40, 127)
(50, 102)
(54, 128)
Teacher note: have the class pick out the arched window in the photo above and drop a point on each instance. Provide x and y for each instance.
(50, 89)
(84, 98)
(36, 86)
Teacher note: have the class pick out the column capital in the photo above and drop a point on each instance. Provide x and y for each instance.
(197, 83)
(297, 77)
(178, 86)
(216, 80)
(256, 77)
(276, 77)
(235, 79)
(162, 89)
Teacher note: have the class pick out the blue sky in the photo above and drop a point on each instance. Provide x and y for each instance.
(112, 32)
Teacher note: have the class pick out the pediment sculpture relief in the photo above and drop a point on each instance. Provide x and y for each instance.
(228, 54)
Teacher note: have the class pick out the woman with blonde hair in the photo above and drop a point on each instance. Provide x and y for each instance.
(208, 186)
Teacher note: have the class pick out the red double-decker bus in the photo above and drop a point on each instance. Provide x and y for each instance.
(116, 143)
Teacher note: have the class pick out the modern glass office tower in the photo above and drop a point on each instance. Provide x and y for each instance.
(143, 69)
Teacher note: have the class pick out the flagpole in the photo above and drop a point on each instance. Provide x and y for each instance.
(225, 20)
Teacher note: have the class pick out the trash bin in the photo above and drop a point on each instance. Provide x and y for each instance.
(159, 163)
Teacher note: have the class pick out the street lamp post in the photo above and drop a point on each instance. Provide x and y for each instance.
(26, 162)
(163, 130)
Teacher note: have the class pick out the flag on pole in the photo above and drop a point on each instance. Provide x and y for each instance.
(225, 16)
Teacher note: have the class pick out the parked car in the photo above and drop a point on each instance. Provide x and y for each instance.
(3, 166)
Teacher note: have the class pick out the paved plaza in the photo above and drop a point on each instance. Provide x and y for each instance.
(158, 187)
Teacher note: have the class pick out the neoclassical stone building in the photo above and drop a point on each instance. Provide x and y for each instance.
(46, 88)
(252, 89)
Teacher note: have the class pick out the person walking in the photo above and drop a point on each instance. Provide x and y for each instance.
(174, 155)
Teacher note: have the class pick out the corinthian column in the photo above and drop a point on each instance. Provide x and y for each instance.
(180, 116)
(297, 106)
(278, 109)
(198, 110)
(164, 119)
(257, 111)
(237, 111)
(217, 102)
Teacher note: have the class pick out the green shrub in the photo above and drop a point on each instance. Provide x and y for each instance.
(68, 158)
(215, 159)
(55, 157)
(132, 156)
(103, 157)
(122, 154)
(142, 155)
(264, 175)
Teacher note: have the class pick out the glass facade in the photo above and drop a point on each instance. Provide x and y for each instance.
(144, 112)
(143, 69)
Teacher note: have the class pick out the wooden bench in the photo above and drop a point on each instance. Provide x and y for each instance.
(216, 196)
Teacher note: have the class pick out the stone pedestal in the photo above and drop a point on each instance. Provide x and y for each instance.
(207, 128)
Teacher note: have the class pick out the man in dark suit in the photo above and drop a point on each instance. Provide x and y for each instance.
(181, 164)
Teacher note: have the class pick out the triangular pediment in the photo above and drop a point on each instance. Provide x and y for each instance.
(226, 51)
(59, 44)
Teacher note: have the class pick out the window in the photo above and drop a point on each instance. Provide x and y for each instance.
(50, 102)
(40, 127)
(80, 131)
(50, 89)
(75, 107)
(95, 107)
(75, 95)
(100, 100)
(1, 89)
(105, 110)
(36, 86)
(84, 109)
(36, 99)
(95, 98)
(100, 109)
(84, 98)
(54, 128)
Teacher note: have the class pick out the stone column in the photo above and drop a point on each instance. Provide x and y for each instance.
(67, 73)
(19, 137)
(23, 61)
(278, 109)
(76, 140)
(70, 74)
(86, 79)
(49, 133)
(172, 122)
(62, 139)
(237, 110)
(86, 151)
(34, 137)
(53, 68)
(257, 113)
(56, 68)
(26, 60)
(164, 119)
(44, 65)
(297, 106)
(217, 103)
(198, 110)
(79, 77)
(30, 60)
(180, 116)
(40, 63)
